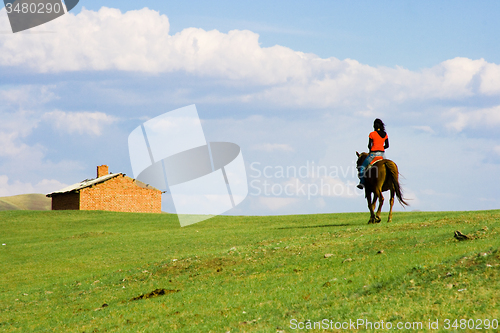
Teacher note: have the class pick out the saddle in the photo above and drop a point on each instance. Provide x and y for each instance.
(375, 160)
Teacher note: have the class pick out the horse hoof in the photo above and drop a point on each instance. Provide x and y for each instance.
(378, 219)
(389, 220)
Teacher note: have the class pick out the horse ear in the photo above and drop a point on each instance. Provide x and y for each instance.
(357, 154)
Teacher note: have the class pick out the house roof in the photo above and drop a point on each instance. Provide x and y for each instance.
(85, 183)
(90, 182)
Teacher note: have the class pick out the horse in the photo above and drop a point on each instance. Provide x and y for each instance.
(382, 176)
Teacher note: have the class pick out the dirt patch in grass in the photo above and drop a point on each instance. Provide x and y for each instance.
(92, 234)
(481, 260)
(467, 267)
(197, 265)
(219, 262)
(155, 293)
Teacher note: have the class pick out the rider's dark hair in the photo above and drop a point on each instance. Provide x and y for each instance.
(379, 125)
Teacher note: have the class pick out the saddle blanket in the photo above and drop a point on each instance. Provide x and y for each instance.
(375, 160)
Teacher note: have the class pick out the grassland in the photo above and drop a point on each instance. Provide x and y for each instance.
(72, 271)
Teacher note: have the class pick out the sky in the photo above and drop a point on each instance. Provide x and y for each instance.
(295, 84)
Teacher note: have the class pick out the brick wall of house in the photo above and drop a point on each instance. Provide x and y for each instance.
(66, 201)
(120, 194)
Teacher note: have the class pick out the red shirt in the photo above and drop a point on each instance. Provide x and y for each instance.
(378, 142)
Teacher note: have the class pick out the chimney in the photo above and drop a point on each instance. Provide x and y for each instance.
(102, 171)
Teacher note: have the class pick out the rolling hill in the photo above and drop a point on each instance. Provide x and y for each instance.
(33, 201)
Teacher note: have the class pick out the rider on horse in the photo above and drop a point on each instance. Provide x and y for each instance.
(377, 143)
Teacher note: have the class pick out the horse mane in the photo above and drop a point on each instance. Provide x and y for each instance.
(361, 157)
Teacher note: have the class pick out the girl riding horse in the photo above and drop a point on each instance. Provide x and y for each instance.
(377, 144)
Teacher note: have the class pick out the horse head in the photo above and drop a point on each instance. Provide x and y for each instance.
(361, 158)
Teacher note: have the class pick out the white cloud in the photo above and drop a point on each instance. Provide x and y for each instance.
(490, 79)
(140, 41)
(271, 147)
(27, 96)
(334, 187)
(466, 118)
(18, 118)
(14, 128)
(310, 187)
(12, 146)
(496, 149)
(427, 129)
(350, 84)
(411, 198)
(45, 186)
(273, 204)
(79, 122)
(317, 186)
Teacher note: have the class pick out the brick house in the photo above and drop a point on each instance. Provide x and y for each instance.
(112, 192)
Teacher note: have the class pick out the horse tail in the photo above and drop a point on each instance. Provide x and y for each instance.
(393, 173)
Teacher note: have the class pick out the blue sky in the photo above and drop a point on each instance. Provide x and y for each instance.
(293, 83)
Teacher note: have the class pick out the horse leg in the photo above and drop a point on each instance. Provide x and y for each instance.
(381, 202)
(370, 207)
(392, 204)
(374, 203)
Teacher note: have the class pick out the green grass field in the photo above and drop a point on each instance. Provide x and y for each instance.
(73, 271)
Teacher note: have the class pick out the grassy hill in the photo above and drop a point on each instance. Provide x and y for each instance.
(25, 202)
(81, 271)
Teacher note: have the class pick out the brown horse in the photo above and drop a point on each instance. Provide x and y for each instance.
(382, 176)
